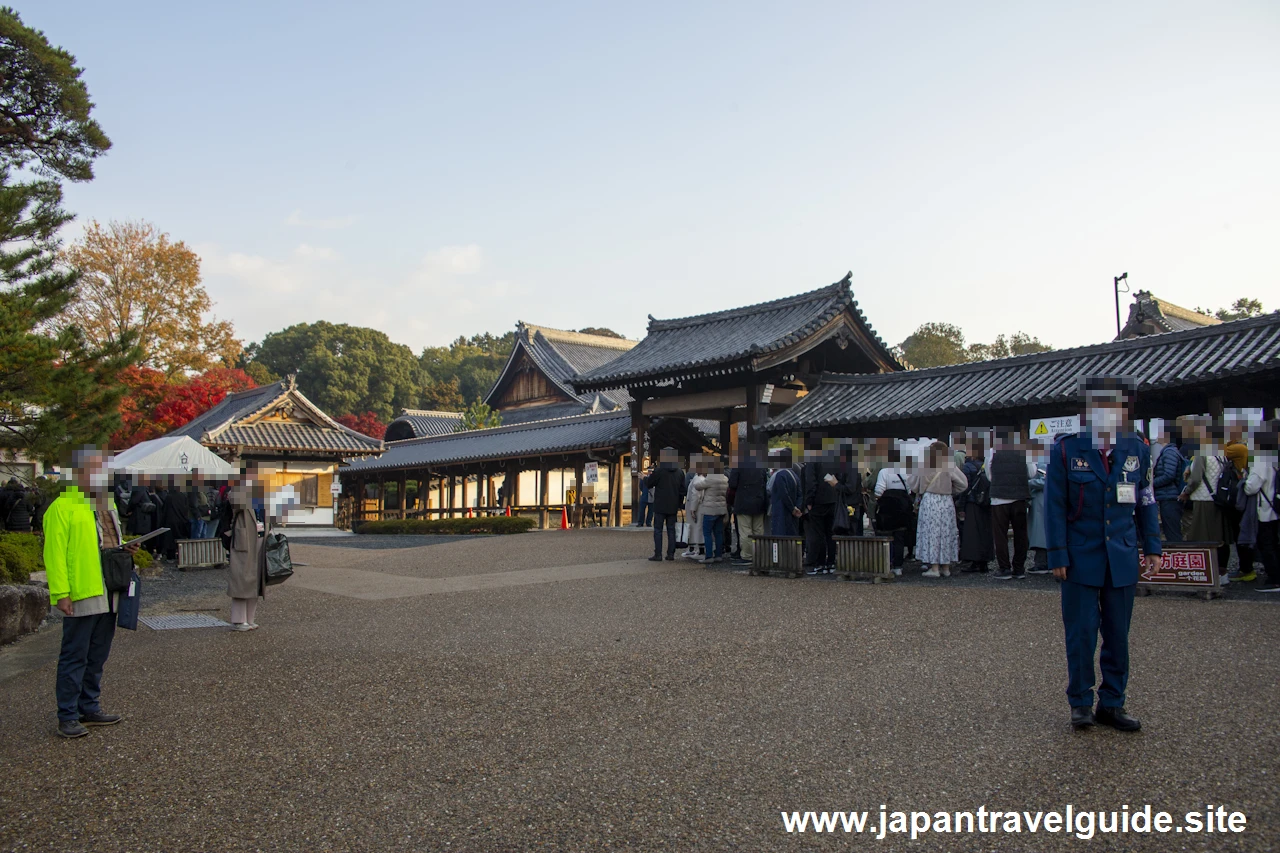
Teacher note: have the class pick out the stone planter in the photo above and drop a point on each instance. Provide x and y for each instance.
(22, 609)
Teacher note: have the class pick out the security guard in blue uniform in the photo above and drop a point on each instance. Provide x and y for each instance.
(1099, 508)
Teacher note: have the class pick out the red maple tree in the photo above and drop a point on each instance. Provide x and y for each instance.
(368, 424)
(152, 407)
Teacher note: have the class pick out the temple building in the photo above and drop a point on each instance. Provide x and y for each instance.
(1150, 315)
(296, 443)
(550, 437)
(738, 367)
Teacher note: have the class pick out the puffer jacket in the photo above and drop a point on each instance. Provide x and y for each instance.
(1168, 477)
(713, 488)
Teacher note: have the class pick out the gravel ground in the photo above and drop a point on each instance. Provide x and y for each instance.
(673, 711)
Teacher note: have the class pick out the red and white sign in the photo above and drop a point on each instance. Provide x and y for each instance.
(1185, 564)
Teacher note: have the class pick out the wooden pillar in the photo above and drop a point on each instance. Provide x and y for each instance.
(512, 485)
(728, 434)
(402, 486)
(452, 488)
(757, 442)
(486, 492)
(615, 491)
(544, 481)
(382, 495)
(465, 503)
(579, 475)
(639, 444)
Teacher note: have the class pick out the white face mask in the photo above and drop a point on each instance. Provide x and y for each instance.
(99, 480)
(1105, 422)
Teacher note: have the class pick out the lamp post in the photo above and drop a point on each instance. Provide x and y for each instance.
(1125, 278)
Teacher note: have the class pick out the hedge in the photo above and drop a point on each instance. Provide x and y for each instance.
(20, 555)
(23, 553)
(497, 524)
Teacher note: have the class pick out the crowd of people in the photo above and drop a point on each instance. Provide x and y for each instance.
(959, 506)
(191, 507)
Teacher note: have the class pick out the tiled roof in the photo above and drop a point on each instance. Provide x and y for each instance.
(232, 408)
(1149, 314)
(548, 412)
(1201, 357)
(224, 425)
(293, 437)
(730, 341)
(565, 435)
(419, 423)
(561, 355)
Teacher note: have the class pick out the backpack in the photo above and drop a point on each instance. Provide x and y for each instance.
(893, 508)
(1227, 490)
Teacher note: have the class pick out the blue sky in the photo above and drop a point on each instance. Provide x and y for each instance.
(442, 169)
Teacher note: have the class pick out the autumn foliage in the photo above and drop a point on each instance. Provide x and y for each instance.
(366, 424)
(153, 406)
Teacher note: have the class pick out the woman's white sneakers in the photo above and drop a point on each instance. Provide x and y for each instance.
(244, 626)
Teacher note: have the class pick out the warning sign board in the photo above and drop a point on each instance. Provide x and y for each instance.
(1044, 429)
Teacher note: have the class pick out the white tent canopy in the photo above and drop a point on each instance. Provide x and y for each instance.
(172, 454)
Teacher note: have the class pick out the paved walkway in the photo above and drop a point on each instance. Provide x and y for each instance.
(376, 586)
(564, 694)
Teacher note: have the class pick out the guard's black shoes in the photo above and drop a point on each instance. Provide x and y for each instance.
(100, 719)
(1117, 719)
(656, 558)
(70, 728)
(1081, 717)
(671, 557)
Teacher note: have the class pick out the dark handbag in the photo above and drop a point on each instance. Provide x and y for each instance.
(279, 564)
(842, 522)
(117, 569)
(130, 604)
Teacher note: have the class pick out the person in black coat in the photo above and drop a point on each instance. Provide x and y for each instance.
(139, 512)
(977, 548)
(822, 483)
(175, 514)
(750, 501)
(667, 482)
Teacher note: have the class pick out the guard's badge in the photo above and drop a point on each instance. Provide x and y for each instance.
(1079, 463)
(1131, 464)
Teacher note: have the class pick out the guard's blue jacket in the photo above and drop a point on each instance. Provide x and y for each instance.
(1086, 527)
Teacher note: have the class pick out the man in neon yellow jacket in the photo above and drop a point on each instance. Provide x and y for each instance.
(77, 524)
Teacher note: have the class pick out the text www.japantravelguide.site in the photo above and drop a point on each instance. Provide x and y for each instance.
(1080, 823)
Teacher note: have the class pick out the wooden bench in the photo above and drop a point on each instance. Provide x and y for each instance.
(782, 555)
(864, 558)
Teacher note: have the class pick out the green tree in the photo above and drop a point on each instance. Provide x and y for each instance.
(596, 330)
(934, 345)
(478, 416)
(475, 363)
(1020, 343)
(1239, 310)
(44, 106)
(56, 389)
(344, 369)
(441, 395)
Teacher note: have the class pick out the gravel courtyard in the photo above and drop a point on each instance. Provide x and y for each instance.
(556, 691)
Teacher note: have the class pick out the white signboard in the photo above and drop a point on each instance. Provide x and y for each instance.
(591, 472)
(1044, 429)
(335, 487)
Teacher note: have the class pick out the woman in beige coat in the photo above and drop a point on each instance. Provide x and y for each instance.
(246, 582)
(712, 508)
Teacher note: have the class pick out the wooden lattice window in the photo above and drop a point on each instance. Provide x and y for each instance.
(309, 490)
